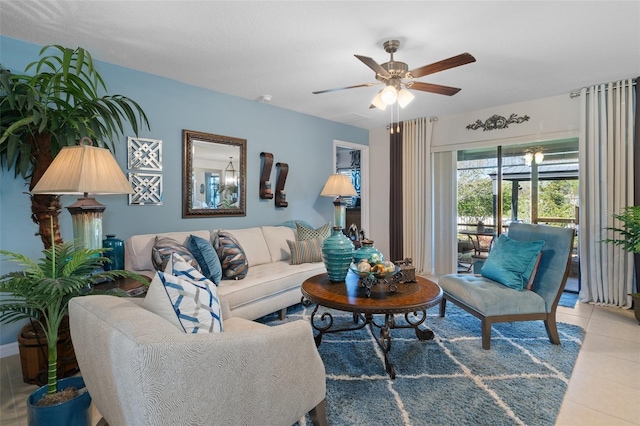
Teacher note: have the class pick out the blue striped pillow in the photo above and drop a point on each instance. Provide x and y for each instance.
(306, 251)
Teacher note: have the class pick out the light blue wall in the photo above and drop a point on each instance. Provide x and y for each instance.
(302, 141)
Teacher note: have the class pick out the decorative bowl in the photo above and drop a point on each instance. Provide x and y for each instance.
(378, 276)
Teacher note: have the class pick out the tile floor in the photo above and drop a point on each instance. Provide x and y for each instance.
(604, 388)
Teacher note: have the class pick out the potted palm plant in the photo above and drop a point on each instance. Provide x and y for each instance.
(56, 101)
(41, 292)
(629, 240)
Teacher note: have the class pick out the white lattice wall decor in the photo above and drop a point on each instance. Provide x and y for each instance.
(144, 154)
(147, 187)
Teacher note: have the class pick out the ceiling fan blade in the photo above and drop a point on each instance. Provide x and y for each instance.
(445, 64)
(344, 88)
(373, 65)
(433, 88)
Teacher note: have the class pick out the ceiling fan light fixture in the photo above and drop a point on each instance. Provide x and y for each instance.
(389, 95)
(377, 101)
(404, 97)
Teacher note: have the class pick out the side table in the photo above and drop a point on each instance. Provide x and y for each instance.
(131, 286)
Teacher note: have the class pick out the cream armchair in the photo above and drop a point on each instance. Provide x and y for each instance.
(141, 370)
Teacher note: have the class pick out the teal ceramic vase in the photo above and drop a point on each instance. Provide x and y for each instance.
(337, 254)
(366, 251)
(73, 412)
(116, 254)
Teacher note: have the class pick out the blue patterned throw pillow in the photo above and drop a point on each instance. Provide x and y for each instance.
(207, 258)
(512, 262)
(232, 257)
(185, 297)
(164, 247)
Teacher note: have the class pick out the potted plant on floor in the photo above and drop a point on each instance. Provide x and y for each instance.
(41, 291)
(629, 240)
(56, 101)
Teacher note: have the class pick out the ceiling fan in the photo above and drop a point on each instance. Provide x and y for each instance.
(397, 78)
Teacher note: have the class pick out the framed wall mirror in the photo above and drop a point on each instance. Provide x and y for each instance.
(214, 173)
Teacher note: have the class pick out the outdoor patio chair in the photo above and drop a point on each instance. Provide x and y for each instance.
(493, 302)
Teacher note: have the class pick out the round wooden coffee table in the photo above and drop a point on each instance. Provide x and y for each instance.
(410, 299)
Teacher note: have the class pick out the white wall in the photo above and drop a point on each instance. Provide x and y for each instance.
(379, 189)
(549, 118)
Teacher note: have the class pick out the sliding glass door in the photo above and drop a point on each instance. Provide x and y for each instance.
(531, 183)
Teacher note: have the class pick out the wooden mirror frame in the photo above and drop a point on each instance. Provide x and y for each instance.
(188, 139)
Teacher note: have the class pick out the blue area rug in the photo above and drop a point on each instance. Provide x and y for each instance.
(568, 300)
(450, 380)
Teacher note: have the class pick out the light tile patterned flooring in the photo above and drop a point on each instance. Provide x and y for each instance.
(604, 388)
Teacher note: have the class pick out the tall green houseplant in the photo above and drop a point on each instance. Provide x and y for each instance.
(42, 289)
(629, 232)
(57, 101)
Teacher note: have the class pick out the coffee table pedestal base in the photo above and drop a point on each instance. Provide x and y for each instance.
(323, 324)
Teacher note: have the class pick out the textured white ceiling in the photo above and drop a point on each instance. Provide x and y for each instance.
(524, 49)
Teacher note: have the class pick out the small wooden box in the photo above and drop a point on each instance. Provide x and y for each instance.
(408, 270)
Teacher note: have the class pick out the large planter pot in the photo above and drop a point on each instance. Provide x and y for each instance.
(74, 412)
(337, 254)
(32, 346)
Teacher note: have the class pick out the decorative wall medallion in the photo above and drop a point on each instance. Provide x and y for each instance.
(144, 154)
(497, 122)
(147, 187)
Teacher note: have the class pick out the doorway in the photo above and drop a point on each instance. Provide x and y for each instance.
(353, 160)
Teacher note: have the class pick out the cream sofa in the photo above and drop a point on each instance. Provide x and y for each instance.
(271, 285)
(142, 370)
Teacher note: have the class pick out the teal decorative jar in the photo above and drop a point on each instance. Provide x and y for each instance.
(366, 251)
(337, 254)
(116, 254)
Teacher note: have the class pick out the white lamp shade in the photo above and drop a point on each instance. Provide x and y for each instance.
(338, 186)
(83, 169)
(377, 101)
(528, 157)
(538, 156)
(389, 95)
(404, 97)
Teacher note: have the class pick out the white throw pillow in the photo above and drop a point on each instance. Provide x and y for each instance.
(185, 298)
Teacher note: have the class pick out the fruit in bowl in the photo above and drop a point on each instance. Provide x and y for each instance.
(364, 266)
(389, 266)
(375, 259)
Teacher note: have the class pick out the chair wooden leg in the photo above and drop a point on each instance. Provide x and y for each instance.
(486, 334)
(552, 329)
(282, 314)
(443, 306)
(318, 414)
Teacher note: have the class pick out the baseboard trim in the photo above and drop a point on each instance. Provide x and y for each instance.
(9, 349)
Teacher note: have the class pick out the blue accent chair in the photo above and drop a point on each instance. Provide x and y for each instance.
(493, 302)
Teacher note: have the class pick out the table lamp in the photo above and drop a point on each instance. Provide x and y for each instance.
(339, 186)
(83, 170)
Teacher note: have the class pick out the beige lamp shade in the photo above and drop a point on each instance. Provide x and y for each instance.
(83, 169)
(338, 186)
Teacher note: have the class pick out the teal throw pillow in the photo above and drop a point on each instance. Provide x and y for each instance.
(292, 223)
(207, 258)
(306, 233)
(512, 262)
